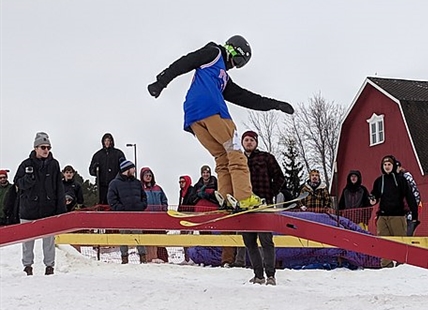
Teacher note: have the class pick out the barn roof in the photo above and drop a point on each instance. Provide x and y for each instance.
(413, 98)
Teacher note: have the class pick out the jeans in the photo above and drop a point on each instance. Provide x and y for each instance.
(267, 263)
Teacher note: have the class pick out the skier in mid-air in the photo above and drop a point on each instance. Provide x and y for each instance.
(206, 114)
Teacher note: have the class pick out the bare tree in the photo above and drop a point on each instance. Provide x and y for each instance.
(316, 130)
(266, 124)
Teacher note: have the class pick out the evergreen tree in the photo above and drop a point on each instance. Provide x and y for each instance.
(89, 190)
(293, 169)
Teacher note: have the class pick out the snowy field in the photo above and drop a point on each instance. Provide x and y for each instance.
(84, 283)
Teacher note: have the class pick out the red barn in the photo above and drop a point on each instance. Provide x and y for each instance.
(387, 116)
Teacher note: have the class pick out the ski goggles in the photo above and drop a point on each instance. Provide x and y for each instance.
(237, 59)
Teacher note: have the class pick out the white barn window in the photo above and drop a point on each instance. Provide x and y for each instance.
(376, 129)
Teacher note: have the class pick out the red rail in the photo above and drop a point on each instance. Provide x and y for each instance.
(286, 225)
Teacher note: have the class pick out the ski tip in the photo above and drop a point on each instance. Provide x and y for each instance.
(187, 224)
(173, 212)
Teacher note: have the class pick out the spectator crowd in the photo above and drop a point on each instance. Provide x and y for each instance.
(40, 188)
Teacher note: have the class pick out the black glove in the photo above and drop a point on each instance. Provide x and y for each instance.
(284, 107)
(155, 89)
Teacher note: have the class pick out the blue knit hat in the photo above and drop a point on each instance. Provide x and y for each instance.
(126, 165)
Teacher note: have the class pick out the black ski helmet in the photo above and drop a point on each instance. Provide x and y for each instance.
(240, 51)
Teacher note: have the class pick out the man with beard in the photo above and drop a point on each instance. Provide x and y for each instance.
(125, 193)
(266, 179)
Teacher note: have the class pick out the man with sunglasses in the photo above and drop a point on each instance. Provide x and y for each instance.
(41, 194)
(206, 114)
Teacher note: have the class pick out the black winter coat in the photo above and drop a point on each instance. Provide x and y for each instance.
(72, 188)
(354, 195)
(391, 189)
(186, 203)
(11, 206)
(209, 190)
(107, 161)
(126, 194)
(41, 193)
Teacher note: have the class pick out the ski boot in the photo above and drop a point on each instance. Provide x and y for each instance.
(224, 204)
(251, 202)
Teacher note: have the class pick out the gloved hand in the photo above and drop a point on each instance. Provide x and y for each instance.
(155, 89)
(284, 107)
(201, 192)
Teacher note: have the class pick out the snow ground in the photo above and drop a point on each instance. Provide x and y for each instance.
(80, 282)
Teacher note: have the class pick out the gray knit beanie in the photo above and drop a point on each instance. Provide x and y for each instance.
(41, 138)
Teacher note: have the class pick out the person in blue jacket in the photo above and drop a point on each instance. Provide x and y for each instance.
(206, 114)
(125, 193)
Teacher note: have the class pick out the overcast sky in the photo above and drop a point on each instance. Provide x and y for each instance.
(78, 69)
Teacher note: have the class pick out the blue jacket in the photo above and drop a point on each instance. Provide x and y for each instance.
(212, 86)
(205, 96)
(126, 194)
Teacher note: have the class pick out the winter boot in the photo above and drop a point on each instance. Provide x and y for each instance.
(124, 259)
(251, 202)
(256, 280)
(49, 270)
(271, 281)
(28, 270)
(143, 259)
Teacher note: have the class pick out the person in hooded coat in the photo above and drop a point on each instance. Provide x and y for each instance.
(158, 202)
(185, 204)
(355, 196)
(105, 166)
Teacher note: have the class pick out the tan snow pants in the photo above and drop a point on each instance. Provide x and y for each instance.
(220, 138)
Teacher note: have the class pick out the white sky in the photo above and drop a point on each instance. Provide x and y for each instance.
(78, 69)
(83, 283)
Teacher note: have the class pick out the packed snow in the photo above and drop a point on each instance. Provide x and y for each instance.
(80, 282)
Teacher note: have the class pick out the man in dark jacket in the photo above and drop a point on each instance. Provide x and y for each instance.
(73, 190)
(205, 199)
(390, 190)
(105, 165)
(4, 189)
(125, 193)
(206, 113)
(267, 179)
(41, 194)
